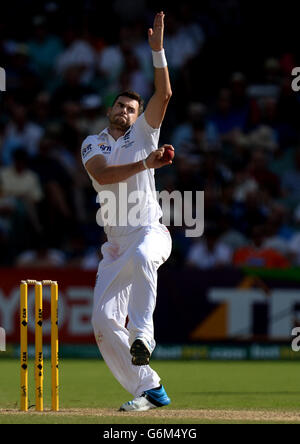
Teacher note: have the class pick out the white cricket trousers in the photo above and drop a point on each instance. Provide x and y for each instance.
(126, 286)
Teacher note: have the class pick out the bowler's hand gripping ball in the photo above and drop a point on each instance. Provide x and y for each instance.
(169, 153)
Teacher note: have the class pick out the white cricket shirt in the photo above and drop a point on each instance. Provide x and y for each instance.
(137, 143)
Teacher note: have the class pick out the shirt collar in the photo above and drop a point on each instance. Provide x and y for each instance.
(105, 131)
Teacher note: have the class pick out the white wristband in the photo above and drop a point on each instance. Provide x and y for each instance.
(159, 59)
(145, 164)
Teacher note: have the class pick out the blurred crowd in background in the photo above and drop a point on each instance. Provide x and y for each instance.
(233, 121)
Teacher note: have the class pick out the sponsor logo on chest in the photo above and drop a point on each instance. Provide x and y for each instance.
(106, 149)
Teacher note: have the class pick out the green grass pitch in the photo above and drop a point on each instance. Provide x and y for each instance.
(201, 392)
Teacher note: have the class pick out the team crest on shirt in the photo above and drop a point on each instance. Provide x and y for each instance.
(126, 139)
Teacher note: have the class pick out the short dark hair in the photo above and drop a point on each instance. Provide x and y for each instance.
(132, 95)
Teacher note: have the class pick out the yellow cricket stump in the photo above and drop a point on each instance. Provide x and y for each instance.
(39, 370)
(54, 347)
(24, 345)
(39, 347)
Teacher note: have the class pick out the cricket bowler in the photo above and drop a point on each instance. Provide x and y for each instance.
(126, 154)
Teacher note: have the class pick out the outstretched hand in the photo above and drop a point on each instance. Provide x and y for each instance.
(155, 159)
(156, 35)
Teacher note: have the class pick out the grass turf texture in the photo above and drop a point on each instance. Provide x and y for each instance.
(202, 386)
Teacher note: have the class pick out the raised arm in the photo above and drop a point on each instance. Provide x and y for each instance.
(157, 106)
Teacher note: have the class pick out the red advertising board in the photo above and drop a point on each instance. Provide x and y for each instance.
(75, 304)
(192, 305)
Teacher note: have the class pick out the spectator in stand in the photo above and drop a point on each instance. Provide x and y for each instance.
(18, 180)
(294, 239)
(22, 184)
(191, 27)
(132, 77)
(253, 209)
(77, 253)
(269, 83)
(20, 131)
(44, 49)
(71, 90)
(128, 60)
(288, 112)
(228, 206)
(111, 59)
(272, 119)
(243, 185)
(213, 172)
(7, 213)
(209, 252)
(22, 80)
(241, 103)
(41, 257)
(197, 147)
(185, 133)
(234, 239)
(277, 231)
(238, 88)
(282, 160)
(291, 182)
(90, 260)
(183, 41)
(41, 110)
(186, 174)
(57, 207)
(263, 138)
(256, 255)
(78, 53)
(270, 116)
(212, 206)
(93, 119)
(70, 127)
(228, 120)
(140, 48)
(258, 168)
(294, 246)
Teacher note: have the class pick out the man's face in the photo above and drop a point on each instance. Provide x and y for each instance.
(124, 113)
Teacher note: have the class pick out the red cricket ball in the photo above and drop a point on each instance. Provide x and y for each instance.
(168, 154)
